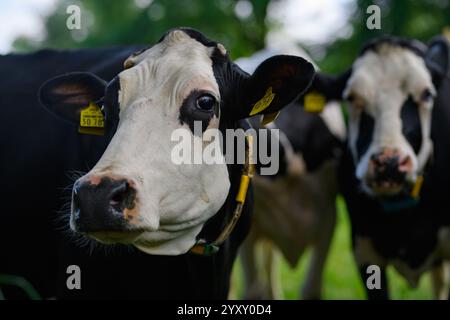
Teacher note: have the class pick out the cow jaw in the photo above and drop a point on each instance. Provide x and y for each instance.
(381, 82)
(173, 201)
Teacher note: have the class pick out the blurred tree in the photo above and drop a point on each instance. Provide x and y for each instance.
(414, 19)
(239, 25)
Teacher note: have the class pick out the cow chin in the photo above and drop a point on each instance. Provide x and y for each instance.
(158, 242)
(168, 243)
(387, 187)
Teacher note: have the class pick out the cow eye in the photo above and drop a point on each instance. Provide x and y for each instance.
(355, 101)
(350, 98)
(206, 102)
(426, 95)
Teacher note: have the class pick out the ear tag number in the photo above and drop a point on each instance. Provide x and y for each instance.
(92, 120)
(314, 102)
(263, 103)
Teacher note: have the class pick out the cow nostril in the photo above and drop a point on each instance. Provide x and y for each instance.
(376, 159)
(122, 196)
(117, 197)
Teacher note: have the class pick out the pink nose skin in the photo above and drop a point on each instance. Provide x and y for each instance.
(392, 157)
(94, 180)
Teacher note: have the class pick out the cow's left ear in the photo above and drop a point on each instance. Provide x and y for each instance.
(68, 94)
(276, 82)
(437, 59)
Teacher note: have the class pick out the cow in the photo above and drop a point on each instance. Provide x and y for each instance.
(295, 209)
(394, 174)
(162, 219)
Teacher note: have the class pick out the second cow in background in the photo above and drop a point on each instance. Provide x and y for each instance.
(394, 175)
(295, 209)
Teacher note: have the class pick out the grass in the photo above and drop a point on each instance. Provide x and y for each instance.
(341, 278)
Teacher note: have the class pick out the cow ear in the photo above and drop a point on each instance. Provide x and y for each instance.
(437, 58)
(66, 95)
(325, 88)
(275, 83)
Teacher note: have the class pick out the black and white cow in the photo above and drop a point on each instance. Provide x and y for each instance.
(134, 194)
(395, 175)
(294, 209)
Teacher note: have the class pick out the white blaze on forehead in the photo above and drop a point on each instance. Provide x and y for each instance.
(170, 197)
(382, 80)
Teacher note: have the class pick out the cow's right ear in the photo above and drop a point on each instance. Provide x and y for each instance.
(437, 59)
(324, 88)
(66, 95)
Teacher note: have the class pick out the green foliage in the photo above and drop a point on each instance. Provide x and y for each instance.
(414, 19)
(121, 22)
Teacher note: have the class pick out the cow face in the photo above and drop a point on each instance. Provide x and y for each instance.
(136, 194)
(390, 94)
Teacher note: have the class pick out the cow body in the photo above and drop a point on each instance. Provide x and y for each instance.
(45, 150)
(295, 209)
(49, 152)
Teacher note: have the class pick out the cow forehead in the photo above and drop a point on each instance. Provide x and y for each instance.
(389, 69)
(173, 67)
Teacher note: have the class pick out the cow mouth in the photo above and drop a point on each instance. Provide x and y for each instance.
(386, 188)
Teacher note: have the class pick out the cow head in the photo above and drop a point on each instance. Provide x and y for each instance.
(390, 93)
(136, 194)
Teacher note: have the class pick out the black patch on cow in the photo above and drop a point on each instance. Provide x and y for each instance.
(411, 125)
(411, 128)
(190, 112)
(365, 134)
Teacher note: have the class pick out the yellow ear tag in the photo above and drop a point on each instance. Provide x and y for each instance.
(314, 102)
(263, 103)
(92, 120)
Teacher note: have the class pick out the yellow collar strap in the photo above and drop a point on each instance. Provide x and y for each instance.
(206, 249)
(415, 192)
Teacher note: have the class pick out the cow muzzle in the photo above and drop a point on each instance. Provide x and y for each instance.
(104, 208)
(388, 172)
